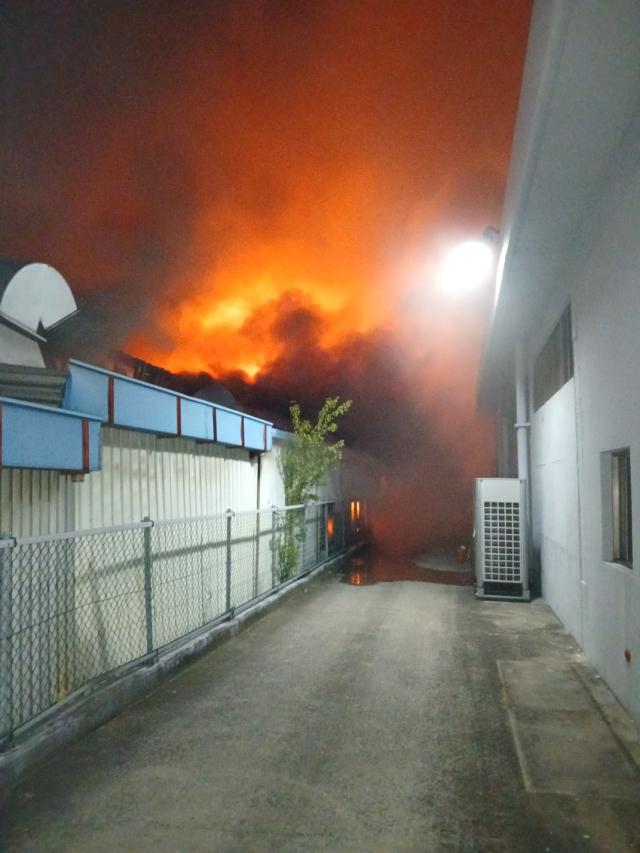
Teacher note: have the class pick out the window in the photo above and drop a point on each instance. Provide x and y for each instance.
(615, 471)
(621, 506)
(554, 364)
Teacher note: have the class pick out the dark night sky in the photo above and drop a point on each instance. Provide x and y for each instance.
(263, 190)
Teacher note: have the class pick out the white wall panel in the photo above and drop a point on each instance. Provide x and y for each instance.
(556, 533)
(271, 485)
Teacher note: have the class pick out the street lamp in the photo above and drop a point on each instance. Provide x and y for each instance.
(466, 267)
(469, 265)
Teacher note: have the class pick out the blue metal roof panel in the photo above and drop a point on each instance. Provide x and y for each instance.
(144, 407)
(196, 420)
(254, 434)
(87, 390)
(229, 427)
(36, 436)
(123, 401)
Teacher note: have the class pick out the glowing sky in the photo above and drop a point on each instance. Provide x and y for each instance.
(265, 191)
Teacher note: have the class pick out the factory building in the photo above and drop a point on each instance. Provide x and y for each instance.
(563, 357)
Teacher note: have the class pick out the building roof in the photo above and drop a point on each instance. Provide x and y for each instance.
(576, 138)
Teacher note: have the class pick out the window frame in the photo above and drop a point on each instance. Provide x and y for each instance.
(554, 364)
(621, 508)
(617, 507)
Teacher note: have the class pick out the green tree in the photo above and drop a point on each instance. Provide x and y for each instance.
(303, 463)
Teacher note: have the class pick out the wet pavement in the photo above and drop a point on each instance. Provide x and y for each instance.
(392, 715)
(440, 567)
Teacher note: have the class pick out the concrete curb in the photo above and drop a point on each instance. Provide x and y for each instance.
(620, 722)
(92, 708)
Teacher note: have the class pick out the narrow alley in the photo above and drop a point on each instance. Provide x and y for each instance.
(364, 717)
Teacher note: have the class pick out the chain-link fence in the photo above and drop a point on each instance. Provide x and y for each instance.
(76, 606)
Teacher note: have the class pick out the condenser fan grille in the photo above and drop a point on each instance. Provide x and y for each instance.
(502, 541)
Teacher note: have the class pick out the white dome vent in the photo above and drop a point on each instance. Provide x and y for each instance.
(32, 296)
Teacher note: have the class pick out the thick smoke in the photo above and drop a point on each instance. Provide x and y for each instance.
(413, 410)
(262, 190)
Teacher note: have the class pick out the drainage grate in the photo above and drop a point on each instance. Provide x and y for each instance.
(502, 541)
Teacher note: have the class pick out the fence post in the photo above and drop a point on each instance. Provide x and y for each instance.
(148, 592)
(273, 547)
(228, 602)
(306, 537)
(256, 561)
(6, 637)
(326, 531)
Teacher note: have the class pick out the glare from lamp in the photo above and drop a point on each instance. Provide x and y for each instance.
(466, 268)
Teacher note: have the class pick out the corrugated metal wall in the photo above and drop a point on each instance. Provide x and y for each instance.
(142, 475)
(34, 503)
(163, 478)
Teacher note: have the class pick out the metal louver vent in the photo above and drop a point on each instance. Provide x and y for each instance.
(502, 557)
(554, 364)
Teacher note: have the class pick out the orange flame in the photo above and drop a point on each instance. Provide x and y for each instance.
(266, 195)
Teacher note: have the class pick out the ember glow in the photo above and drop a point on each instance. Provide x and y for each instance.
(262, 190)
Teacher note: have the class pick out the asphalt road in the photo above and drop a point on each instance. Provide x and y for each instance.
(353, 719)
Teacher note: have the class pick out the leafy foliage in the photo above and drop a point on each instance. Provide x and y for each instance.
(307, 459)
(303, 464)
(290, 537)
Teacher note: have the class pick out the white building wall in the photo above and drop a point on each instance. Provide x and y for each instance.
(271, 485)
(596, 412)
(606, 309)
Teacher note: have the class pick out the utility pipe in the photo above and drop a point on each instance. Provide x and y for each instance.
(522, 425)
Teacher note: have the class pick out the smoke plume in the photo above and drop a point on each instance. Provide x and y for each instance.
(262, 190)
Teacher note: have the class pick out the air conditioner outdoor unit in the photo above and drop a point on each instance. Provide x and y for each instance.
(502, 564)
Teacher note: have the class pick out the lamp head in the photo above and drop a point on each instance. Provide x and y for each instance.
(467, 267)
